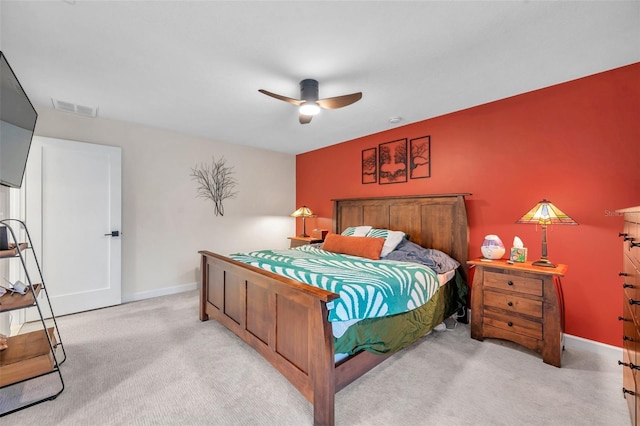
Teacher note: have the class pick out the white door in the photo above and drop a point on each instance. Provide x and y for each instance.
(73, 204)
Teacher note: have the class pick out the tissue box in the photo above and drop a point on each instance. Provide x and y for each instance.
(518, 254)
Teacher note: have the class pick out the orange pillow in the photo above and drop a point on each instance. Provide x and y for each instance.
(368, 247)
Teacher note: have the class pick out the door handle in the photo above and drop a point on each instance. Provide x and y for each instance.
(113, 234)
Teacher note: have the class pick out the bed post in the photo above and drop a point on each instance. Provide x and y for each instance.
(203, 288)
(322, 367)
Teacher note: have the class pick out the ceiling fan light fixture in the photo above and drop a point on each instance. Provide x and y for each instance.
(309, 103)
(309, 108)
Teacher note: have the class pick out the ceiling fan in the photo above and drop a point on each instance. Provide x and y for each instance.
(310, 104)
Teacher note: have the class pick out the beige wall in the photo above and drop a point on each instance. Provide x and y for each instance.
(163, 223)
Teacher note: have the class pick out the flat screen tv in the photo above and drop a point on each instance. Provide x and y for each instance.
(17, 123)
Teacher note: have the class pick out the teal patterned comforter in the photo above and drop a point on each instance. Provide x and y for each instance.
(367, 288)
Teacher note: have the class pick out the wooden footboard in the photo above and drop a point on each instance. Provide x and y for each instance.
(284, 320)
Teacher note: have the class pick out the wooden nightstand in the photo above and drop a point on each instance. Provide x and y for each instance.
(300, 241)
(521, 303)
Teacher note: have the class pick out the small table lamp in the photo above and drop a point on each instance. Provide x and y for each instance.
(545, 213)
(304, 212)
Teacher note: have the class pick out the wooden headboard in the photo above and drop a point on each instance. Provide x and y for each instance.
(432, 221)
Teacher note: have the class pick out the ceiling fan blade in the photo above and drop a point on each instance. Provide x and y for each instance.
(282, 98)
(305, 119)
(339, 101)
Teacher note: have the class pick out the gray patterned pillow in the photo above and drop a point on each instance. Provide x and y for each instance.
(437, 260)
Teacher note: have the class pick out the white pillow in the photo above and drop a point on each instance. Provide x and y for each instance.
(392, 239)
(357, 231)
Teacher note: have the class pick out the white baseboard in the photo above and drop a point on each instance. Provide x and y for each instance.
(579, 343)
(159, 292)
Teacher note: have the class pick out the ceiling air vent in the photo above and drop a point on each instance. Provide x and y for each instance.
(75, 108)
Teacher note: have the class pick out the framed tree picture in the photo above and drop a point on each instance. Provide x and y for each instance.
(369, 166)
(392, 162)
(420, 158)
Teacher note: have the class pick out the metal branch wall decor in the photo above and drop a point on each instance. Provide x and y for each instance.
(394, 162)
(369, 166)
(420, 158)
(216, 183)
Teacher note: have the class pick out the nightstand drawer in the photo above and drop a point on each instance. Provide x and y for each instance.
(513, 303)
(514, 283)
(514, 324)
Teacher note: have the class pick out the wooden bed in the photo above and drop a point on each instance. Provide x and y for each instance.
(286, 321)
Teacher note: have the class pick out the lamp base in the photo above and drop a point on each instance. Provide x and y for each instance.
(544, 262)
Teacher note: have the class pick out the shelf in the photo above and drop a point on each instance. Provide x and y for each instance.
(11, 301)
(14, 251)
(28, 355)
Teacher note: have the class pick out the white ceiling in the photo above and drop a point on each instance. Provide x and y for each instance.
(195, 67)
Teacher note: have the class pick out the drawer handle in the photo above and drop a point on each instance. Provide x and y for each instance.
(509, 282)
(634, 302)
(630, 339)
(510, 303)
(622, 274)
(632, 244)
(623, 319)
(625, 285)
(624, 390)
(510, 324)
(630, 365)
(623, 235)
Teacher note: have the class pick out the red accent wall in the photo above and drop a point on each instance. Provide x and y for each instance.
(576, 144)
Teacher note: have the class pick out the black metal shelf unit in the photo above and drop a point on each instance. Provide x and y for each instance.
(31, 354)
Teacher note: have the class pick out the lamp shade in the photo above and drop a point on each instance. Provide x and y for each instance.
(303, 211)
(545, 213)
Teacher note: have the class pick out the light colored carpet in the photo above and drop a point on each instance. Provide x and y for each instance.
(154, 363)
